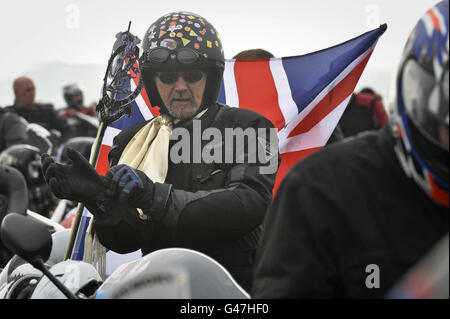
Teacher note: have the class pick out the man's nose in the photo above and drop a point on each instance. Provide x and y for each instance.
(180, 84)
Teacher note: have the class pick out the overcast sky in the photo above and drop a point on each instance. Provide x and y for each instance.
(75, 31)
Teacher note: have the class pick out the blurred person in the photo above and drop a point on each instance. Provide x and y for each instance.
(73, 95)
(42, 114)
(253, 54)
(364, 112)
(351, 219)
(82, 119)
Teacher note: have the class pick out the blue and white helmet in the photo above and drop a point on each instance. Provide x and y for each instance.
(420, 119)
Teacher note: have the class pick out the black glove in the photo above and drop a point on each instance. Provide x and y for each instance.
(77, 181)
(134, 188)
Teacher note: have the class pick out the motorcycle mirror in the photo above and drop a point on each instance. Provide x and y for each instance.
(40, 137)
(26, 237)
(30, 240)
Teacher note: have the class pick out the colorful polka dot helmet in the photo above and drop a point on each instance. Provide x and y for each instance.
(182, 41)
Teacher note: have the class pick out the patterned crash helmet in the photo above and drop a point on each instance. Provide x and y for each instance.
(182, 41)
(420, 119)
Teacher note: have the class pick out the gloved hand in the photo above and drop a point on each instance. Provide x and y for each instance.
(77, 181)
(134, 188)
(131, 186)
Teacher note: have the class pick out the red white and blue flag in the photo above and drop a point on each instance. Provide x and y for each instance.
(303, 96)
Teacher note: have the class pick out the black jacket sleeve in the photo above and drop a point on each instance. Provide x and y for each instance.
(223, 213)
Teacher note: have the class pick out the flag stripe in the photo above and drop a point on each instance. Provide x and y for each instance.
(316, 136)
(256, 89)
(434, 19)
(442, 25)
(102, 162)
(229, 85)
(144, 101)
(126, 121)
(287, 105)
(78, 247)
(340, 92)
(110, 134)
(287, 161)
(144, 106)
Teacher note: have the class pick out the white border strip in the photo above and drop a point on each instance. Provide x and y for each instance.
(143, 107)
(441, 20)
(110, 134)
(318, 135)
(287, 104)
(231, 95)
(428, 23)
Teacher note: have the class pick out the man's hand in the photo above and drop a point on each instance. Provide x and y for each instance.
(131, 185)
(134, 188)
(77, 181)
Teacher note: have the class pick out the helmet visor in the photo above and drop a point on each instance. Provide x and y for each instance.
(425, 101)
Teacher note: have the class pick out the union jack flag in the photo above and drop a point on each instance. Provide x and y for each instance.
(303, 96)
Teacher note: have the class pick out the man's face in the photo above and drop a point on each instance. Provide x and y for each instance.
(181, 92)
(76, 100)
(25, 92)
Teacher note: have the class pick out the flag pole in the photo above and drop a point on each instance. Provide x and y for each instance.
(92, 160)
(109, 108)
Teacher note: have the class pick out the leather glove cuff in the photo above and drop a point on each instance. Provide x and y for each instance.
(157, 209)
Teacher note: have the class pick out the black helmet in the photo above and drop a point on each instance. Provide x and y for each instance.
(73, 96)
(27, 160)
(182, 41)
(420, 104)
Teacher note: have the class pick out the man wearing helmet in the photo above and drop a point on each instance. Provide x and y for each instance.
(358, 214)
(79, 117)
(74, 98)
(148, 199)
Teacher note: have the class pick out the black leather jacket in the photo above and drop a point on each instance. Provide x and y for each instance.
(215, 208)
(340, 210)
(44, 115)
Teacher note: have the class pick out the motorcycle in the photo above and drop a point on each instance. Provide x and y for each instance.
(37, 270)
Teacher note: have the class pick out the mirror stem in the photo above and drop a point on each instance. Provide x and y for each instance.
(39, 263)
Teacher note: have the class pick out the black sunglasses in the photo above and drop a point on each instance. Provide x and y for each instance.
(183, 56)
(189, 76)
